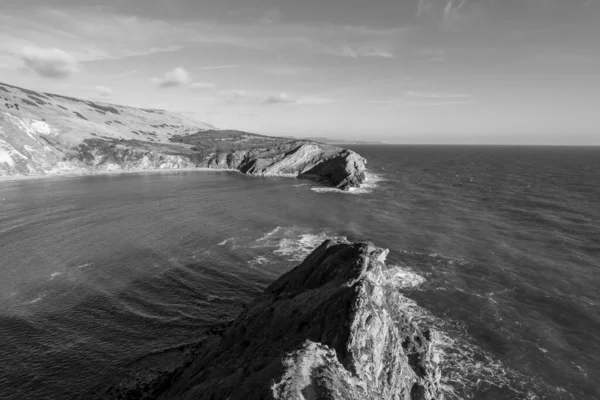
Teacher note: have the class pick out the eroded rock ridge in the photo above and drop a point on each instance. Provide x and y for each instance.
(332, 328)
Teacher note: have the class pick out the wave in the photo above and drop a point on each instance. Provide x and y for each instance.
(403, 278)
(468, 371)
(37, 299)
(224, 242)
(298, 248)
(371, 182)
(54, 275)
(466, 368)
(292, 243)
(266, 236)
(260, 260)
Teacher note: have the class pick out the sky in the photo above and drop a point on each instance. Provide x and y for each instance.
(400, 71)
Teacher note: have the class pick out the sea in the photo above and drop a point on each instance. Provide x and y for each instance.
(500, 248)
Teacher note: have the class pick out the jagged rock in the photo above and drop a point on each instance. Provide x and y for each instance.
(332, 328)
(56, 134)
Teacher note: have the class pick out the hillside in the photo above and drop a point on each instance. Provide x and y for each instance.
(50, 134)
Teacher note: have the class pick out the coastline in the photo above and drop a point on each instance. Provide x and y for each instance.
(11, 178)
(16, 178)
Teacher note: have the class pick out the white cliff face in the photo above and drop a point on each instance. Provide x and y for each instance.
(30, 127)
(39, 132)
(305, 158)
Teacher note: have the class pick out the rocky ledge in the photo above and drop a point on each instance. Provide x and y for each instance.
(332, 328)
(49, 134)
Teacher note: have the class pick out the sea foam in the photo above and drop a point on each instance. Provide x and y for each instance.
(371, 182)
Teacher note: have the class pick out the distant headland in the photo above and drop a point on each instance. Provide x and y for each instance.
(45, 134)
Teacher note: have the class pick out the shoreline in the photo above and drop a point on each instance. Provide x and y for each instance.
(12, 178)
(17, 178)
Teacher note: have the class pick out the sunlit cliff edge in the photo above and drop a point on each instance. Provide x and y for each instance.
(49, 134)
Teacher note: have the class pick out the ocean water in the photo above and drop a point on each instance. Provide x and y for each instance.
(496, 248)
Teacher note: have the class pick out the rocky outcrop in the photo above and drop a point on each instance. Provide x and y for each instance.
(343, 169)
(45, 134)
(332, 328)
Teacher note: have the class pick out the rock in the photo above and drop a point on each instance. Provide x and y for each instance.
(60, 134)
(332, 328)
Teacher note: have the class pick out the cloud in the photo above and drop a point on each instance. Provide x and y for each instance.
(344, 49)
(266, 99)
(313, 101)
(216, 67)
(103, 91)
(283, 71)
(202, 85)
(272, 16)
(453, 14)
(433, 104)
(178, 77)
(284, 98)
(49, 63)
(437, 95)
(281, 98)
(379, 53)
(236, 96)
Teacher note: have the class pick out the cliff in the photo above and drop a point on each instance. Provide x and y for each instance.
(49, 134)
(332, 328)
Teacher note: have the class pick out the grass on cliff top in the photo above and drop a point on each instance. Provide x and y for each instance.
(229, 140)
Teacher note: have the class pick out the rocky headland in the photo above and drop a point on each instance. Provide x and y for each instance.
(49, 134)
(332, 328)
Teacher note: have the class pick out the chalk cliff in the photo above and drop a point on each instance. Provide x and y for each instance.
(49, 134)
(332, 328)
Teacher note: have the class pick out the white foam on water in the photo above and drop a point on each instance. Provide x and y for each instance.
(268, 235)
(260, 260)
(292, 243)
(224, 242)
(298, 248)
(371, 182)
(403, 278)
(84, 265)
(213, 297)
(37, 299)
(466, 368)
(55, 274)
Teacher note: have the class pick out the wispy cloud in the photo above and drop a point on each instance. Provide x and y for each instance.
(271, 16)
(438, 95)
(216, 67)
(344, 49)
(202, 85)
(103, 91)
(283, 70)
(281, 98)
(177, 77)
(284, 98)
(49, 63)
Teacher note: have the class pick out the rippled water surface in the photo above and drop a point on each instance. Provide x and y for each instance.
(496, 247)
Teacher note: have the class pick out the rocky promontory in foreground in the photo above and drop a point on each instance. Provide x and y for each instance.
(332, 328)
(49, 134)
